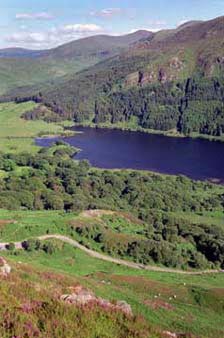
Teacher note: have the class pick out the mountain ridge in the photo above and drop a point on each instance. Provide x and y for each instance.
(161, 82)
(124, 39)
(20, 67)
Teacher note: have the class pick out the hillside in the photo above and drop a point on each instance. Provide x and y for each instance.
(148, 267)
(52, 272)
(20, 52)
(171, 81)
(57, 305)
(102, 46)
(21, 67)
(108, 227)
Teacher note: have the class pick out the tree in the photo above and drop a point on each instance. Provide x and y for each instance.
(10, 247)
(9, 165)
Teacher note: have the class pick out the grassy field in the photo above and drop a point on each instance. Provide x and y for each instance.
(182, 303)
(17, 134)
(192, 304)
(19, 225)
(29, 72)
(34, 308)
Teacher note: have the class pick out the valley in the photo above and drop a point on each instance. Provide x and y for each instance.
(111, 182)
(168, 81)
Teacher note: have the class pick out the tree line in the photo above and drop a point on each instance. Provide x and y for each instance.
(55, 182)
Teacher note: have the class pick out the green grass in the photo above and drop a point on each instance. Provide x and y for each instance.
(30, 72)
(198, 308)
(17, 134)
(208, 218)
(114, 282)
(35, 223)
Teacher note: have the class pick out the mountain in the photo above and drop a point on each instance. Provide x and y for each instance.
(22, 67)
(171, 80)
(20, 53)
(101, 46)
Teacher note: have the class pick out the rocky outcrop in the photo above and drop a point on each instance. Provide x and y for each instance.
(162, 76)
(133, 79)
(5, 268)
(148, 77)
(168, 334)
(176, 63)
(220, 60)
(141, 78)
(81, 297)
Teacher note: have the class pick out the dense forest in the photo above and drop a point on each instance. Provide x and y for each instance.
(195, 105)
(53, 181)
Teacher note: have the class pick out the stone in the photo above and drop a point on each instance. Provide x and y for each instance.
(5, 268)
(81, 297)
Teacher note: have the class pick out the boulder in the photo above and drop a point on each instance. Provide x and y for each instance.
(81, 297)
(162, 77)
(5, 268)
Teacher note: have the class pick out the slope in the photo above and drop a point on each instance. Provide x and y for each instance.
(171, 81)
(21, 67)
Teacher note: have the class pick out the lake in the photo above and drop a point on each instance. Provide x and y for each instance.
(110, 149)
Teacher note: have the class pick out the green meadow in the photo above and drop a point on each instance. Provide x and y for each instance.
(172, 301)
(18, 134)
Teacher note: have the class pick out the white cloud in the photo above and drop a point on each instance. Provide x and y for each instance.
(107, 12)
(24, 37)
(182, 22)
(34, 16)
(80, 29)
(54, 36)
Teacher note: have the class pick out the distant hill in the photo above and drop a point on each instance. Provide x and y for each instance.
(20, 53)
(170, 80)
(101, 46)
(22, 67)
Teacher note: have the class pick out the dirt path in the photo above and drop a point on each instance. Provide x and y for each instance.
(118, 261)
(95, 213)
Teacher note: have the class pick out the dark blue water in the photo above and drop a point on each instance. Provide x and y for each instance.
(105, 148)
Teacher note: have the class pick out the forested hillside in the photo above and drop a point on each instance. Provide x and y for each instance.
(172, 80)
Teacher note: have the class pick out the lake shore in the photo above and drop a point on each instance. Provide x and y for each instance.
(169, 133)
(116, 149)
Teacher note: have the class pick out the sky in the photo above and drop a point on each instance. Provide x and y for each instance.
(41, 24)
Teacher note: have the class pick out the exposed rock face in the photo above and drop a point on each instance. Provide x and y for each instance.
(82, 297)
(162, 76)
(169, 334)
(176, 63)
(220, 60)
(148, 77)
(133, 79)
(141, 78)
(5, 268)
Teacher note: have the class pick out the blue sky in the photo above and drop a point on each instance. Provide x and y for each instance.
(47, 23)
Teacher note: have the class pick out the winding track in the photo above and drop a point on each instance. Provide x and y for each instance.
(95, 254)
